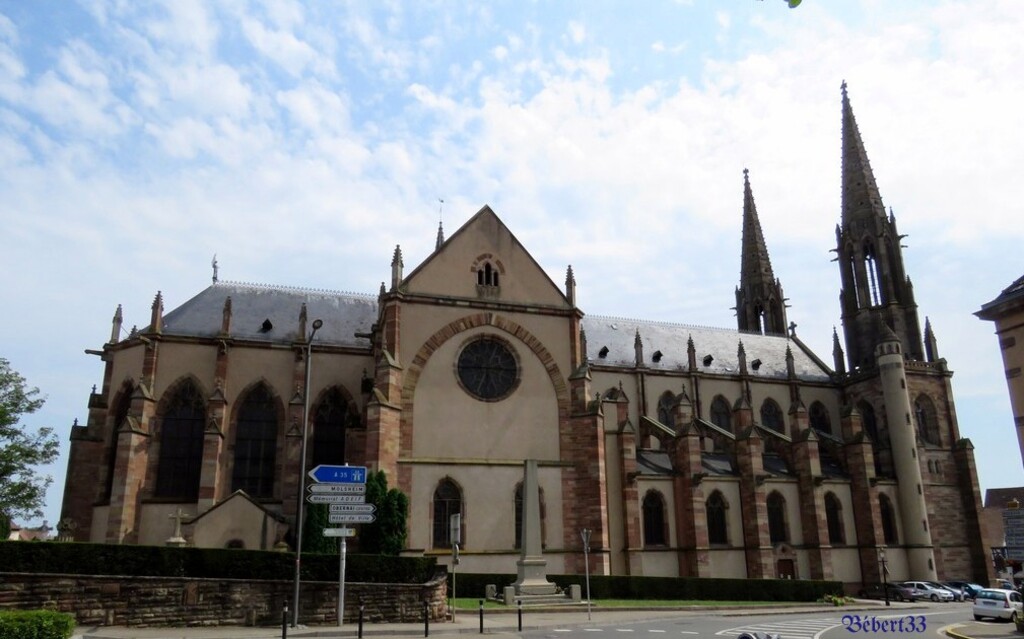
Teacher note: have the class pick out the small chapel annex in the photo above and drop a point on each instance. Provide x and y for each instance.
(686, 450)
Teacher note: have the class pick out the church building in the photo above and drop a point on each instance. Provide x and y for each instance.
(687, 451)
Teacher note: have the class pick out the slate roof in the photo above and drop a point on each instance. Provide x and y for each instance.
(997, 497)
(617, 334)
(1012, 295)
(343, 314)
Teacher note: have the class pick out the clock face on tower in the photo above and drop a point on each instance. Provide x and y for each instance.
(487, 369)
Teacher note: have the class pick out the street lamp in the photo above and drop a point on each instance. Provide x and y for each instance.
(302, 470)
(885, 573)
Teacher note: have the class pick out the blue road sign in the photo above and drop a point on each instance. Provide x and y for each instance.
(326, 474)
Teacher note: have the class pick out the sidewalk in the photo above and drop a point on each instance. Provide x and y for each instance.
(468, 622)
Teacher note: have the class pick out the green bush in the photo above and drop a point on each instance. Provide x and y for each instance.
(665, 588)
(36, 624)
(209, 563)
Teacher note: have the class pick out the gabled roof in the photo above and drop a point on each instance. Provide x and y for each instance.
(238, 494)
(487, 218)
(617, 335)
(252, 305)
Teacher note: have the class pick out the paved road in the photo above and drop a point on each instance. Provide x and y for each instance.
(789, 622)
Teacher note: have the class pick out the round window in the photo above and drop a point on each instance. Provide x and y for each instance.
(487, 369)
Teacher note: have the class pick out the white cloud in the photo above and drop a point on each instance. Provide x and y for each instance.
(286, 49)
(577, 32)
(169, 149)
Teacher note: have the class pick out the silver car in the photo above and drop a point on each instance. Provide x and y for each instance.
(924, 590)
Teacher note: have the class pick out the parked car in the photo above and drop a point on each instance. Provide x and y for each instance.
(969, 589)
(876, 591)
(923, 590)
(998, 603)
(958, 594)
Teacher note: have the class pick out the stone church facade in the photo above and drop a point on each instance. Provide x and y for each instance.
(686, 450)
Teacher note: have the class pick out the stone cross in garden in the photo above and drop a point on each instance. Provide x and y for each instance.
(176, 539)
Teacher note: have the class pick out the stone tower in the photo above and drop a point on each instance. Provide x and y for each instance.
(901, 388)
(913, 508)
(760, 305)
(875, 287)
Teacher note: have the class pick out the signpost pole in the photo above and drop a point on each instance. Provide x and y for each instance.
(302, 471)
(341, 582)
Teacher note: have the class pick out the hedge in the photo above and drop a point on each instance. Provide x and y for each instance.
(665, 588)
(36, 624)
(211, 563)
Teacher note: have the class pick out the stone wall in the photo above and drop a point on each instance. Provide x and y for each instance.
(160, 601)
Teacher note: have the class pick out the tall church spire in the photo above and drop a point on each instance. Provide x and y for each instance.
(875, 287)
(760, 304)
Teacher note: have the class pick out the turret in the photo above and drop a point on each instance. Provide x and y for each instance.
(156, 321)
(570, 286)
(760, 305)
(115, 329)
(396, 268)
(898, 411)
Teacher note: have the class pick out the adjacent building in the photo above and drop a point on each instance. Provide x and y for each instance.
(1007, 311)
(686, 450)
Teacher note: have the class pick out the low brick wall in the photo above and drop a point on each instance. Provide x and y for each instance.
(162, 601)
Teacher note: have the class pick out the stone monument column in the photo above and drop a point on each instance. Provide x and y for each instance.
(532, 573)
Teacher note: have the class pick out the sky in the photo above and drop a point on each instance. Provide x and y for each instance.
(301, 142)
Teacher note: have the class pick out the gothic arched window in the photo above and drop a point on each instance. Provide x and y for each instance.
(256, 444)
(818, 415)
(888, 521)
(718, 530)
(927, 421)
(777, 530)
(834, 519)
(655, 529)
(447, 502)
(871, 265)
(329, 419)
(721, 414)
(771, 416)
(666, 410)
(181, 444)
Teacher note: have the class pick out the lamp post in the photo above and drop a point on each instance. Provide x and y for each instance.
(585, 535)
(885, 574)
(302, 470)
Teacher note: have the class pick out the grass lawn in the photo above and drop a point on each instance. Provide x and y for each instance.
(474, 604)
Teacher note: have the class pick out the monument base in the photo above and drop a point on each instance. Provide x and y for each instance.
(533, 577)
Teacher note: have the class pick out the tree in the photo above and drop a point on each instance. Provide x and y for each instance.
(387, 535)
(22, 490)
(313, 539)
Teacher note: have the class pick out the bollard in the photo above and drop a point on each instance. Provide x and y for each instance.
(361, 609)
(284, 621)
(519, 604)
(426, 619)
(481, 616)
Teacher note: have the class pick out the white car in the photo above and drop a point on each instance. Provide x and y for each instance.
(924, 591)
(998, 603)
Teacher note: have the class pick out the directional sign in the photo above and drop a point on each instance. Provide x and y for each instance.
(336, 499)
(339, 532)
(328, 474)
(337, 488)
(351, 518)
(353, 508)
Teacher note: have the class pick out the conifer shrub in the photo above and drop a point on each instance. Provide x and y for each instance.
(35, 624)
